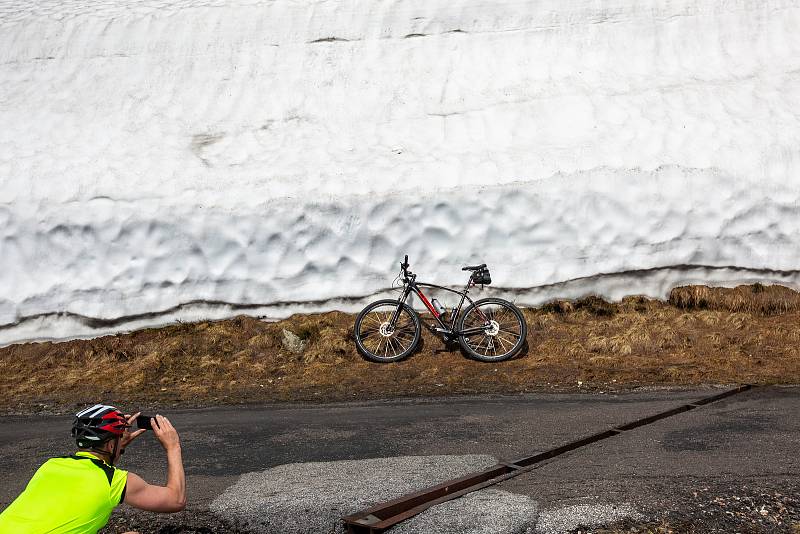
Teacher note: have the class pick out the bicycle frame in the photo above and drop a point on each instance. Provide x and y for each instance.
(412, 286)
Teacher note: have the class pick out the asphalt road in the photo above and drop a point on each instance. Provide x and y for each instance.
(752, 438)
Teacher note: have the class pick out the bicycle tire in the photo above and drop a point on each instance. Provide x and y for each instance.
(383, 346)
(501, 340)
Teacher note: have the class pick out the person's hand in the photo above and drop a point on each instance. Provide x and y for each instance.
(165, 433)
(127, 436)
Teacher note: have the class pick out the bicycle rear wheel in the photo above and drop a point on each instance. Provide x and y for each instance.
(380, 341)
(503, 330)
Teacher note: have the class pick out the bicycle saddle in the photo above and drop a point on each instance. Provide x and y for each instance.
(474, 267)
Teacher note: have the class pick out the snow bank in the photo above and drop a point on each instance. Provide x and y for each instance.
(186, 159)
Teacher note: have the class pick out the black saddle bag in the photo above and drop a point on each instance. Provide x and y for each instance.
(482, 277)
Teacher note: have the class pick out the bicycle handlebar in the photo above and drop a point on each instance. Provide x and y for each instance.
(404, 268)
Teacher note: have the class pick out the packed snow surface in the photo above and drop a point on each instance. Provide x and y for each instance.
(190, 159)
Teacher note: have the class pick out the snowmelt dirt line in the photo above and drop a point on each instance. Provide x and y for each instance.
(382, 516)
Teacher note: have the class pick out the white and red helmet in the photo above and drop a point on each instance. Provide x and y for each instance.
(94, 426)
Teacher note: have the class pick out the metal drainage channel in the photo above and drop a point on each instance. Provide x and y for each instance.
(385, 515)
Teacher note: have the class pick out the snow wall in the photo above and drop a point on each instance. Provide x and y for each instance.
(187, 159)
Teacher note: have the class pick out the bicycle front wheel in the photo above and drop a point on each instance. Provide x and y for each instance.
(378, 339)
(501, 330)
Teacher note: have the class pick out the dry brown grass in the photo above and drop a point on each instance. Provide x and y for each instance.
(756, 298)
(701, 335)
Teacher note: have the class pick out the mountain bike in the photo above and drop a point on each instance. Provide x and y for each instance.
(489, 330)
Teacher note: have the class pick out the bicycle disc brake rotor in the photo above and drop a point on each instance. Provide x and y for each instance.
(386, 330)
(493, 328)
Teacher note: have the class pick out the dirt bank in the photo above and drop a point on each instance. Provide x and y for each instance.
(700, 335)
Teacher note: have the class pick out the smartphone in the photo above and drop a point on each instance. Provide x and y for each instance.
(144, 421)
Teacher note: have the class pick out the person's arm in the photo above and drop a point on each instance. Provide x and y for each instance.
(169, 498)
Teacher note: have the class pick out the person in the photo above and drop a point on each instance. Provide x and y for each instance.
(76, 494)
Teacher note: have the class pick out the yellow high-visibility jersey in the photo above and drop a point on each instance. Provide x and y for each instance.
(68, 495)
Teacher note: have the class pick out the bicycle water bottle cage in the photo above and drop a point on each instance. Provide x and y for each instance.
(482, 277)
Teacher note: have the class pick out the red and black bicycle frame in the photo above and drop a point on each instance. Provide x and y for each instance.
(412, 286)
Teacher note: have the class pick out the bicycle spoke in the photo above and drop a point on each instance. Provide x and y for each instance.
(370, 329)
(510, 331)
(373, 319)
(488, 340)
(512, 341)
(404, 327)
(502, 345)
(400, 346)
(390, 343)
(404, 341)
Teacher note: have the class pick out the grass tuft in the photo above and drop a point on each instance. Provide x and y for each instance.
(756, 298)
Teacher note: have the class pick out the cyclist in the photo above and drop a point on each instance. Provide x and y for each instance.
(76, 494)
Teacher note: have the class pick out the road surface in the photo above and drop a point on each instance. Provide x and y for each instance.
(749, 440)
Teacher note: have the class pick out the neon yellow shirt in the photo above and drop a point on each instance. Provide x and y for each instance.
(70, 495)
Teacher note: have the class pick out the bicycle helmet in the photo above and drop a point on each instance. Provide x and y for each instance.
(94, 426)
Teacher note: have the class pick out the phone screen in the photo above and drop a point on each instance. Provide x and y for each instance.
(144, 421)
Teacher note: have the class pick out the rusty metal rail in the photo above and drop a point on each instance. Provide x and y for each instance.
(385, 515)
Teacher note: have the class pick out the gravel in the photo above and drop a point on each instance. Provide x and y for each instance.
(487, 511)
(313, 497)
(568, 518)
(746, 507)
